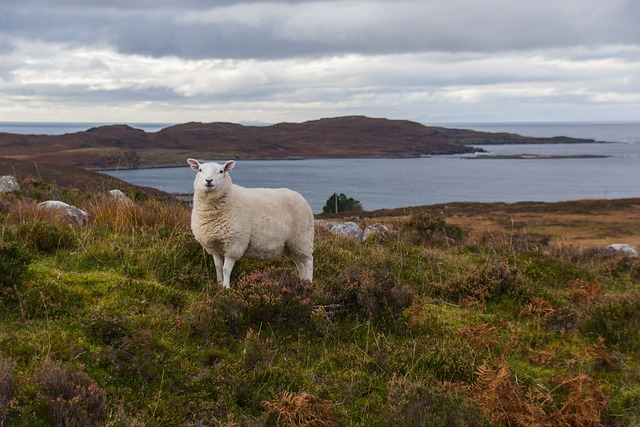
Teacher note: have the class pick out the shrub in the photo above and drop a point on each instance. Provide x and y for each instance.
(276, 295)
(108, 330)
(617, 320)
(14, 263)
(220, 313)
(341, 203)
(7, 366)
(418, 403)
(432, 230)
(46, 237)
(72, 398)
(289, 409)
(377, 296)
(488, 281)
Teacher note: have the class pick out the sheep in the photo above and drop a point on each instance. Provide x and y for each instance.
(231, 221)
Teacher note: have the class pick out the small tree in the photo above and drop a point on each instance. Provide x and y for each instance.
(341, 203)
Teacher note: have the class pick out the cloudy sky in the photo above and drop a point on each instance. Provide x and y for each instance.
(431, 61)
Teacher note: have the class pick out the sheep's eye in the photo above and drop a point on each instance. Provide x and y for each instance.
(199, 169)
(220, 171)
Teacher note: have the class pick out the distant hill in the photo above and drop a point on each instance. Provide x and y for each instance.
(121, 146)
(68, 177)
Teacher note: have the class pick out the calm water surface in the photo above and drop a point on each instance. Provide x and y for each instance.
(389, 183)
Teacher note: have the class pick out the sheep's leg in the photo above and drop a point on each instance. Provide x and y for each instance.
(305, 268)
(226, 271)
(218, 261)
(301, 268)
(308, 270)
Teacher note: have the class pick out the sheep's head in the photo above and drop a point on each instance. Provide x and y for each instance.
(210, 176)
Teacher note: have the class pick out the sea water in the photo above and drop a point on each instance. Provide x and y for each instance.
(389, 183)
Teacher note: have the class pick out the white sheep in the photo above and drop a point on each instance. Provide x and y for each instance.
(230, 221)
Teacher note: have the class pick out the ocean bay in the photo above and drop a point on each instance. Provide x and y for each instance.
(390, 183)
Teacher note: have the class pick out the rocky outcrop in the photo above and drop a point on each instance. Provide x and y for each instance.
(624, 249)
(71, 214)
(8, 183)
(351, 230)
(119, 195)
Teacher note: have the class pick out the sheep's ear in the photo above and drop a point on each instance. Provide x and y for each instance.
(229, 165)
(195, 165)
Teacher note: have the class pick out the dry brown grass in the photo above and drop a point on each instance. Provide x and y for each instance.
(124, 215)
(581, 224)
(575, 400)
(298, 409)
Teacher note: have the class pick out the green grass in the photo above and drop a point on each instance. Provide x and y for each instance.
(121, 323)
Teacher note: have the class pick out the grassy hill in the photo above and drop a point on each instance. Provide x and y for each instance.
(120, 323)
(67, 177)
(122, 146)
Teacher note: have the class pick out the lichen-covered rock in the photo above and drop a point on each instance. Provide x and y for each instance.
(375, 230)
(350, 230)
(8, 183)
(624, 249)
(71, 214)
(119, 195)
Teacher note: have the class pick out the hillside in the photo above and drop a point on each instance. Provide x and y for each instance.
(120, 322)
(121, 146)
(67, 177)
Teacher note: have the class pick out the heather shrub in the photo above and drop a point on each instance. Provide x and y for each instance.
(423, 403)
(371, 295)
(277, 296)
(135, 357)
(46, 237)
(625, 268)
(432, 230)
(72, 398)
(108, 330)
(14, 263)
(486, 282)
(617, 320)
(545, 269)
(528, 242)
(7, 386)
(136, 194)
(222, 312)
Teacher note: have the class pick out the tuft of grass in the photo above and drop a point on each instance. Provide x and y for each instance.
(7, 386)
(298, 409)
(14, 265)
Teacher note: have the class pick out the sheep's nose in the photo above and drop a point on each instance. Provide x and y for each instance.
(209, 181)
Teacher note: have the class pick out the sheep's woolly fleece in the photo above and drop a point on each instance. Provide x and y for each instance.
(230, 221)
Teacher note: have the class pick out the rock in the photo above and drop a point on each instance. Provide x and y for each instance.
(8, 183)
(350, 230)
(624, 249)
(375, 230)
(324, 225)
(119, 195)
(70, 213)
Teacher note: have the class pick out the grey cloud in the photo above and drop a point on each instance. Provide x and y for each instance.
(256, 29)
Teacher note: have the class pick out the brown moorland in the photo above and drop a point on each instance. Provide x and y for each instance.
(121, 146)
(579, 223)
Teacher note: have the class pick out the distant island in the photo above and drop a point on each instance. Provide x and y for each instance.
(122, 146)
